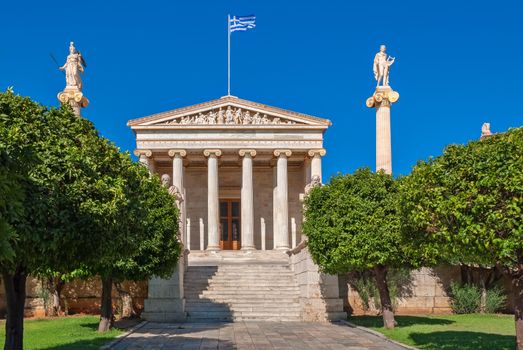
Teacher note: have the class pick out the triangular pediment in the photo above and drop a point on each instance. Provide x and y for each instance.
(229, 111)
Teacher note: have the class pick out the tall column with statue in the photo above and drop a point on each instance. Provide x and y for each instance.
(382, 100)
(73, 68)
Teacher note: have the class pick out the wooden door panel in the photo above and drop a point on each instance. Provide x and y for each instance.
(230, 227)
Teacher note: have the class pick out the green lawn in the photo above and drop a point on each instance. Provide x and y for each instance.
(449, 332)
(64, 333)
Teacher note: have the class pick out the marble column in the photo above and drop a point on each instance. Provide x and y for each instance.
(213, 209)
(145, 157)
(382, 99)
(177, 155)
(281, 238)
(247, 200)
(316, 155)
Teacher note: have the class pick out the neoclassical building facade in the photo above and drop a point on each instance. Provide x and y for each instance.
(241, 167)
(240, 170)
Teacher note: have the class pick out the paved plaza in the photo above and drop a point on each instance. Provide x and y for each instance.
(252, 335)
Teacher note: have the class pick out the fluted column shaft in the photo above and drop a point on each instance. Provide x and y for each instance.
(247, 200)
(282, 193)
(177, 155)
(213, 210)
(316, 155)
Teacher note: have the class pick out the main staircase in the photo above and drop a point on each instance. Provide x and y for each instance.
(241, 288)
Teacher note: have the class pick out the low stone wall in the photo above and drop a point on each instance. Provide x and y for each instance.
(319, 293)
(426, 294)
(81, 296)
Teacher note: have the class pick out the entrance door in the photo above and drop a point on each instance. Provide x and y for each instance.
(230, 224)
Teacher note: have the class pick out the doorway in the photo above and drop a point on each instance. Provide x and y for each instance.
(230, 235)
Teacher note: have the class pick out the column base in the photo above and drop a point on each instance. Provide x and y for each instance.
(282, 248)
(248, 248)
(213, 248)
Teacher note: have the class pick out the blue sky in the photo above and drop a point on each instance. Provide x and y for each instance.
(457, 64)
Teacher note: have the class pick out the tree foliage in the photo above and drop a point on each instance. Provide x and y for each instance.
(353, 223)
(79, 202)
(467, 206)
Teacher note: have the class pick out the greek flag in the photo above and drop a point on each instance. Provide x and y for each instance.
(242, 23)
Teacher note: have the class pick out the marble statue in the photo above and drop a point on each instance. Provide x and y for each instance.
(315, 182)
(221, 118)
(381, 67)
(229, 117)
(485, 130)
(238, 116)
(212, 117)
(166, 180)
(247, 119)
(173, 190)
(73, 67)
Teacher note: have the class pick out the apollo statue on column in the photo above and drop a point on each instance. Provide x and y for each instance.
(381, 66)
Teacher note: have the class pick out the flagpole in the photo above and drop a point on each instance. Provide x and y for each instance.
(228, 55)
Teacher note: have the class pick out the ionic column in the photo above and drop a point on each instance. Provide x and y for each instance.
(213, 210)
(282, 196)
(247, 200)
(382, 99)
(145, 157)
(316, 155)
(177, 155)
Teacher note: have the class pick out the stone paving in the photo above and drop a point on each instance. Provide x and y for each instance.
(252, 335)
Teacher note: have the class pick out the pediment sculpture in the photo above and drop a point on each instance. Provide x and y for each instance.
(229, 116)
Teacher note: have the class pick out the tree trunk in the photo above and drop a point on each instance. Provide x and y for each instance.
(380, 273)
(127, 301)
(106, 312)
(517, 284)
(15, 299)
(466, 274)
(483, 288)
(55, 286)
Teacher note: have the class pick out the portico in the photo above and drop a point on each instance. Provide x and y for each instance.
(241, 167)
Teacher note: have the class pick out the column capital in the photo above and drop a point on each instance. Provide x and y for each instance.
(317, 152)
(384, 96)
(247, 152)
(282, 152)
(210, 152)
(143, 152)
(174, 152)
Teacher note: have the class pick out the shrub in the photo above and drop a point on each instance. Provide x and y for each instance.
(465, 298)
(496, 300)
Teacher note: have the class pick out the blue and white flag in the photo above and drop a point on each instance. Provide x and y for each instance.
(242, 23)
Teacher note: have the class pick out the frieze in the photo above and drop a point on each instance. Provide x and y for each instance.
(229, 116)
(196, 144)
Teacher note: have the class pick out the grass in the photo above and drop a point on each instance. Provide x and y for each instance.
(449, 332)
(64, 333)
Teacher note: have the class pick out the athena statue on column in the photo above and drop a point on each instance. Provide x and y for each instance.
(74, 67)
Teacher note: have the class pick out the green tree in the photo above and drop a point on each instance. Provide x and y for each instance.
(150, 224)
(66, 175)
(353, 223)
(467, 206)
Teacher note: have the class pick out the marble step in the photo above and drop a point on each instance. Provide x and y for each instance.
(231, 286)
(252, 314)
(236, 308)
(249, 301)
